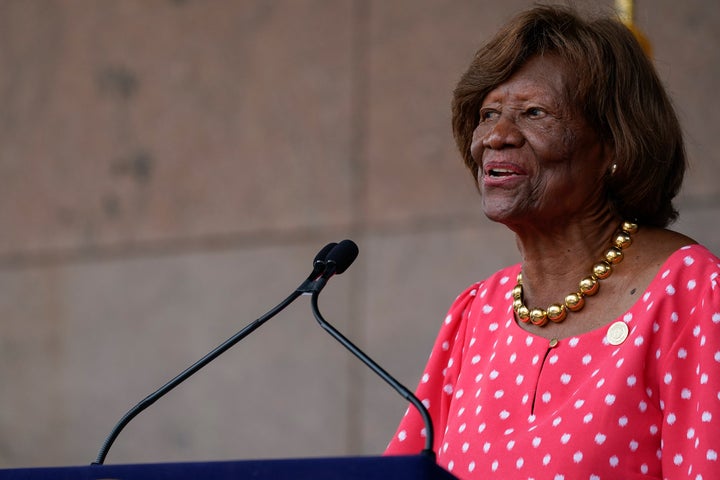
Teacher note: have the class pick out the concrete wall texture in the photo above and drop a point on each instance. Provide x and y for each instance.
(168, 170)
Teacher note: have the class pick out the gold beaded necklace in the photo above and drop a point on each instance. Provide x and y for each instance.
(557, 312)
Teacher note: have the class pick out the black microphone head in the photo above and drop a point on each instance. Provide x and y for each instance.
(342, 255)
(322, 254)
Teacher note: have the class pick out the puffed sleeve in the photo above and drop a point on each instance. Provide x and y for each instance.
(689, 374)
(437, 382)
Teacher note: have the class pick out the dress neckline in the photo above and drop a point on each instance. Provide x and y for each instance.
(627, 316)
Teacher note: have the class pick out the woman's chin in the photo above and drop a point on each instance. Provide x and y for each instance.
(502, 212)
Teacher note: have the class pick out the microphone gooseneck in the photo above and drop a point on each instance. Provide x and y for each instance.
(338, 260)
(319, 267)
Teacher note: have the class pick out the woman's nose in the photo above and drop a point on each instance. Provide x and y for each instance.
(502, 134)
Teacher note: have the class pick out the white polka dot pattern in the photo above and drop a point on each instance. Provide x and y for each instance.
(506, 406)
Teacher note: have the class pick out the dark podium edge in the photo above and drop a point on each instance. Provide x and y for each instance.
(416, 467)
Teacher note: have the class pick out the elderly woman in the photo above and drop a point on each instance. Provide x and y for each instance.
(597, 357)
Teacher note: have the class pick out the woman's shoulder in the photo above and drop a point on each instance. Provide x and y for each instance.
(488, 293)
(661, 244)
(654, 250)
(670, 249)
(492, 289)
(695, 254)
(690, 274)
(692, 264)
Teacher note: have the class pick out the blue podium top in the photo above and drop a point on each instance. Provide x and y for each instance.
(415, 467)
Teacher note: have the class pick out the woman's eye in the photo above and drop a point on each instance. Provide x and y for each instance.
(487, 114)
(535, 112)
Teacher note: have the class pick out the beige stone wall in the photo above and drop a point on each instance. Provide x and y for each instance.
(168, 170)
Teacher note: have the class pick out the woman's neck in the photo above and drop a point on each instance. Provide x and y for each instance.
(557, 257)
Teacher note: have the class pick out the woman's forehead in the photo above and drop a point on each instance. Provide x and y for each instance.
(540, 76)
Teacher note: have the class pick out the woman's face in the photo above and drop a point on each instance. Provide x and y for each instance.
(539, 159)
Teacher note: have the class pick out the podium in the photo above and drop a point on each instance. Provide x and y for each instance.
(404, 467)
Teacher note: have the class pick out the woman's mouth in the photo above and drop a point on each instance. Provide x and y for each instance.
(500, 172)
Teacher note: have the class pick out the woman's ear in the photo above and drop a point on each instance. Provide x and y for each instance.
(610, 160)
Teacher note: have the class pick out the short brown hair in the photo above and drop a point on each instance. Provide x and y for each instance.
(618, 91)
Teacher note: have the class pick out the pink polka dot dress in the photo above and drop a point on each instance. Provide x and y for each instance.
(613, 403)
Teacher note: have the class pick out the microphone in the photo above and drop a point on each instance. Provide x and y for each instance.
(320, 258)
(340, 257)
(338, 260)
(320, 264)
